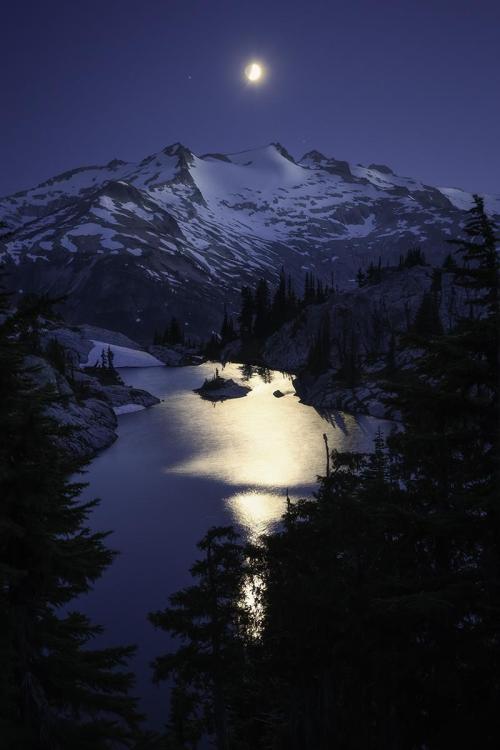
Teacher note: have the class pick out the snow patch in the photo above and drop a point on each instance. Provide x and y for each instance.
(127, 408)
(68, 245)
(123, 356)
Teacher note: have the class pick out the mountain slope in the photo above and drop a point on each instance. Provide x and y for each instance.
(179, 234)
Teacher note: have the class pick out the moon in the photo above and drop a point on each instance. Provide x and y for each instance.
(254, 72)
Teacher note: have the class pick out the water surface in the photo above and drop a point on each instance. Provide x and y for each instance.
(188, 464)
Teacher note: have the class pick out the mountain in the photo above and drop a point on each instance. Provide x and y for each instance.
(132, 244)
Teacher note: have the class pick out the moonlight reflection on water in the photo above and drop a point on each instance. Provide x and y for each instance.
(261, 443)
(186, 465)
(255, 511)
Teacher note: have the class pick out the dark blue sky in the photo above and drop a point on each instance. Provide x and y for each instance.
(411, 84)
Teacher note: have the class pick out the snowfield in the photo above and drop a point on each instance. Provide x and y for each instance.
(123, 357)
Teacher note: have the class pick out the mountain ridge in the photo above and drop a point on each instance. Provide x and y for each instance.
(177, 233)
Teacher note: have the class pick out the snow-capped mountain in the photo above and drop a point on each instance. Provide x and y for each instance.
(179, 234)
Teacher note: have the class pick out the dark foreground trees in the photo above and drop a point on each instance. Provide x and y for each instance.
(208, 668)
(56, 692)
(379, 599)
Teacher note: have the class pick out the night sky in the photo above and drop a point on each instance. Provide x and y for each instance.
(414, 85)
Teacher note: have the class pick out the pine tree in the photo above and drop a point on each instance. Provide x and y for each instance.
(279, 305)
(57, 355)
(360, 277)
(262, 309)
(291, 299)
(55, 691)
(209, 619)
(449, 263)
(173, 334)
(104, 359)
(176, 333)
(245, 319)
(322, 574)
(390, 358)
(308, 289)
(318, 360)
(350, 370)
(427, 319)
(227, 328)
(381, 595)
(111, 360)
(379, 598)
(447, 460)
(413, 257)
(320, 292)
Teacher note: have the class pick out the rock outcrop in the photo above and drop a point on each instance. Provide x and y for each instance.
(362, 326)
(85, 408)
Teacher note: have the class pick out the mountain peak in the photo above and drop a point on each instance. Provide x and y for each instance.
(183, 233)
(315, 156)
(180, 150)
(282, 150)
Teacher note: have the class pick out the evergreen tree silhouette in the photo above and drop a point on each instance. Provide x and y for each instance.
(208, 667)
(56, 691)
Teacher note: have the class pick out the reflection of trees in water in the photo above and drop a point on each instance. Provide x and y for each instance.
(359, 430)
(335, 418)
(265, 373)
(248, 371)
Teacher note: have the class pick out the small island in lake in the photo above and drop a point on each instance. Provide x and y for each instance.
(218, 388)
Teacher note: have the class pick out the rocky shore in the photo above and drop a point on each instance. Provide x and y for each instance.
(364, 328)
(85, 407)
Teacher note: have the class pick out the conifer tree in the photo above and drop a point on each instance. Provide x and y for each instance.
(58, 355)
(427, 319)
(447, 461)
(414, 257)
(279, 306)
(55, 690)
(111, 360)
(227, 328)
(175, 334)
(379, 598)
(319, 354)
(208, 618)
(308, 289)
(319, 575)
(292, 302)
(449, 263)
(262, 309)
(360, 277)
(245, 319)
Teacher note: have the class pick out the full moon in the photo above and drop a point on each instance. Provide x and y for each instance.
(254, 72)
